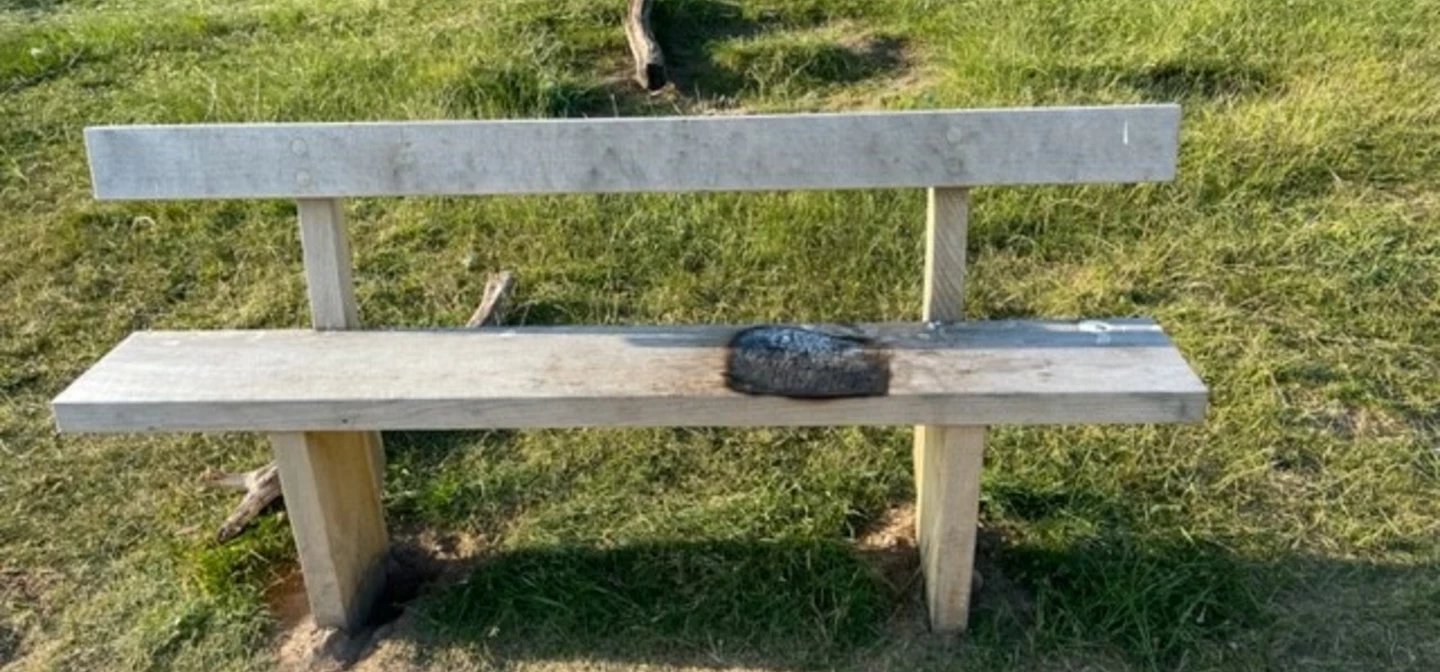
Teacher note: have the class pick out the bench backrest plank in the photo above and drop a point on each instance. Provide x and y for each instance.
(1133, 143)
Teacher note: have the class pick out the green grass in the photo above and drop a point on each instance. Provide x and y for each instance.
(1296, 261)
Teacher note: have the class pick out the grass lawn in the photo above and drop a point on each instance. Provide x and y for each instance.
(1296, 261)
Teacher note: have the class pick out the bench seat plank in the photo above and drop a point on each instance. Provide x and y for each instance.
(973, 373)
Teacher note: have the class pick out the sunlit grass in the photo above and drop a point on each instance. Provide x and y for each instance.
(1296, 261)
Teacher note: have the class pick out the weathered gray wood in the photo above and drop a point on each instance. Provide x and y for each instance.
(328, 281)
(330, 287)
(334, 506)
(332, 480)
(946, 228)
(649, 61)
(968, 374)
(947, 459)
(1131, 143)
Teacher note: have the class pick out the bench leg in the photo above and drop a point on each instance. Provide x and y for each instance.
(947, 508)
(333, 500)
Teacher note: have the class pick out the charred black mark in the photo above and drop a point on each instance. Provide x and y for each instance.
(804, 363)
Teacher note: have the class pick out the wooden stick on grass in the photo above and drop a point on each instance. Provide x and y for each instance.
(261, 486)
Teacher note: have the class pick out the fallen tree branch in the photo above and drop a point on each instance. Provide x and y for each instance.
(649, 61)
(262, 488)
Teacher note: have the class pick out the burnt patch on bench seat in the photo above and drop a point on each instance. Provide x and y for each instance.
(806, 363)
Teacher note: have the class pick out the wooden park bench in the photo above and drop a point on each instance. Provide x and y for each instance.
(324, 395)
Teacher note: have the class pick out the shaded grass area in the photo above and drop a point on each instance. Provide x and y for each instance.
(586, 601)
(806, 603)
(1295, 260)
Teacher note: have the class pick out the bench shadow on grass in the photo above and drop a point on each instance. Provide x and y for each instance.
(1182, 79)
(802, 603)
(794, 604)
(683, 602)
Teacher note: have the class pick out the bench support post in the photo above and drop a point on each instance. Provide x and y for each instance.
(334, 510)
(329, 284)
(332, 480)
(947, 459)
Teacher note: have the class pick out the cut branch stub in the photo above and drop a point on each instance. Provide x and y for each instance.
(491, 310)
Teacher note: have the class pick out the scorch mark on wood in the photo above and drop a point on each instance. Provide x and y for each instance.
(806, 363)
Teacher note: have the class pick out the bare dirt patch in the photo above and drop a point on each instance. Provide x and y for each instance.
(21, 592)
(881, 51)
(25, 587)
(889, 546)
(418, 562)
(286, 599)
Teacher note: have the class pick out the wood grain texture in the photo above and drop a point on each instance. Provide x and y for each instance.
(945, 234)
(968, 374)
(947, 458)
(948, 461)
(328, 280)
(1130, 143)
(332, 480)
(331, 287)
(649, 60)
(335, 515)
